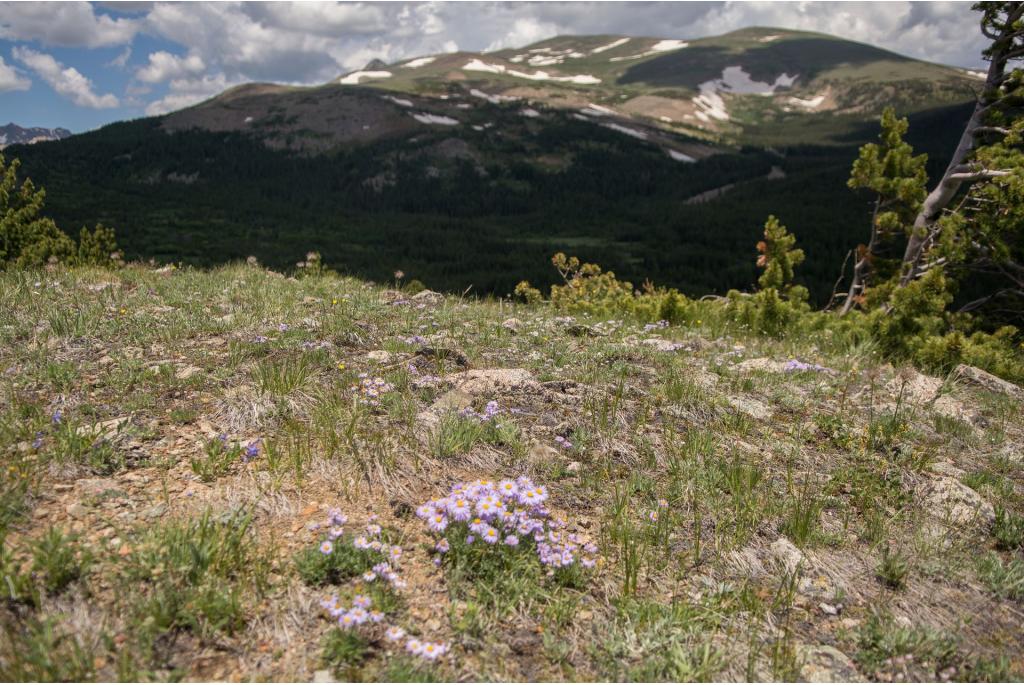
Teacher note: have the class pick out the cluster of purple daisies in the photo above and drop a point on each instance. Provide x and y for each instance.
(504, 514)
(368, 390)
(361, 611)
(795, 365)
(490, 411)
(656, 325)
(420, 379)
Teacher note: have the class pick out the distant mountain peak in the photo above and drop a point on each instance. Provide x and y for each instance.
(12, 134)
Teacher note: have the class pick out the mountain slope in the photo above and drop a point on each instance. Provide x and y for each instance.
(793, 510)
(658, 158)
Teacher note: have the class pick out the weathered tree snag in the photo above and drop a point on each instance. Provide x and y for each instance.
(1006, 37)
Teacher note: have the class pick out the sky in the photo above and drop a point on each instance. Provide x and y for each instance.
(80, 65)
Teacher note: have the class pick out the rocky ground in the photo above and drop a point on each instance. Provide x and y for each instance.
(175, 445)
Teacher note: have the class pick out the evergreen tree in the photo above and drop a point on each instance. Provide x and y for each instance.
(898, 178)
(778, 258)
(26, 238)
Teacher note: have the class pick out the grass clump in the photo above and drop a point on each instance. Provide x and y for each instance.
(38, 650)
(881, 639)
(1008, 529)
(57, 561)
(342, 563)
(344, 652)
(199, 576)
(281, 377)
(1004, 578)
(893, 569)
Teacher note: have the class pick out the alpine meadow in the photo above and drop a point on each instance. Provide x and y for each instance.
(600, 357)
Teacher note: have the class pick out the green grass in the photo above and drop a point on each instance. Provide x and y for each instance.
(58, 560)
(689, 594)
(201, 576)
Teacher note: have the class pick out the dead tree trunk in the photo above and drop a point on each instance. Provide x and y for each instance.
(862, 266)
(1004, 48)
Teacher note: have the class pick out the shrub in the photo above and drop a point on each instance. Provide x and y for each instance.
(28, 239)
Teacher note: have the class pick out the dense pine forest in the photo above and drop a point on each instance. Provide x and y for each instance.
(205, 198)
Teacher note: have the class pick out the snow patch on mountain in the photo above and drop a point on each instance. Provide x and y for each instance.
(610, 46)
(809, 103)
(356, 76)
(596, 110)
(660, 46)
(493, 99)
(401, 102)
(578, 79)
(768, 39)
(425, 118)
(737, 81)
(418, 62)
(628, 131)
(680, 157)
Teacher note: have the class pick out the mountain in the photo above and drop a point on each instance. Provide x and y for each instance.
(12, 134)
(655, 157)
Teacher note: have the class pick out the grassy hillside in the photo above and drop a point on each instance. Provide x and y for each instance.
(178, 445)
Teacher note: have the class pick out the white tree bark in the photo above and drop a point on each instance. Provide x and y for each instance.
(958, 173)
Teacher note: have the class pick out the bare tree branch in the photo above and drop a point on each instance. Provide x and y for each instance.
(981, 175)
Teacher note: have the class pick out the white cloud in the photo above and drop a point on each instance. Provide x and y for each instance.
(523, 32)
(10, 79)
(121, 61)
(188, 91)
(64, 24)
(163, 66)
(68, 82)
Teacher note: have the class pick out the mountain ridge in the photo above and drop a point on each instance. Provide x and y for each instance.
(13, 134)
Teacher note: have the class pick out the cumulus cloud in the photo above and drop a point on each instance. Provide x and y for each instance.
(68, 82)
(185, 92)
(64, 24)
(523, 32)
(163, 66)
(10, 79)
(121, 61)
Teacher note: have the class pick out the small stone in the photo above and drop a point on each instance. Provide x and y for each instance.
(187, 372)
(825, 664)
(323, 676)
(755, 409)
(828, 609)
(540, 453)
(76, 510)
(951, 501)
(380, 356)
(155, 511)
(573, 467)
(427, 296)
(788, 555)
(512, 325)
(975, 376)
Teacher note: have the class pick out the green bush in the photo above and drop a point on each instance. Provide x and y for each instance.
(28, 239)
